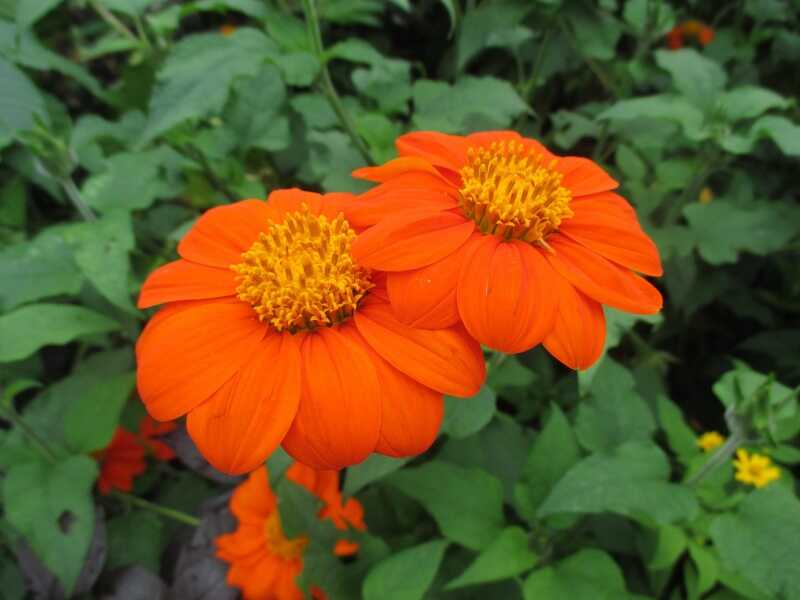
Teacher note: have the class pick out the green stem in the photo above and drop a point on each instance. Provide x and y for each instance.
(74, 194)
(722, 455)
(12, 415)
(326, 83)
(528, 87)
(113, 21)
(164, 511)
(591, 63)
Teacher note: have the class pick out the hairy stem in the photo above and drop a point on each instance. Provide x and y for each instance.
(164, 511)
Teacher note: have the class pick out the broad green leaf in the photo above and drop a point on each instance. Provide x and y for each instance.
(630, 163)
(30, 11)
(26, 329)
(387, 82)
(552, 454)
(759, 541)
(40, 268)
(668, 107)
(706, 567)
(374, 468)
(90, 422)
(20, 101)
(615, 413)
(644, 18)
(467, 504)
(662, 547)
(596, 31)
(298, 68)
(507, 556)
(406, 575)
(186, 91)
(570, 127)
(722, 230)
(696, 76)
(332, 159)
(587, 575)
(256, 115)
(510, 373)
(135, 538)
(781, 130)
(749, 101)
(50, 505)
(473, 103)
(680, 436)
(465, 416)
(380, 133)
(491, 26)
(315, 110)
(631, 480)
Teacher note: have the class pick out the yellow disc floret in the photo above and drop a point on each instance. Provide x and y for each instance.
(299, 274)
(755, 469)
(278, 543)
(511, 192)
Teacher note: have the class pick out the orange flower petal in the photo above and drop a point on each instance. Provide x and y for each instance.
(412, 240)
(447, 360)
(578, 338)
(601, 279)
(345, 548)
(371, 208)
(505, 294)
(247, 418)
(583, 176)
(393, 168)
(426, 297)
(221, 235)
(339, 419)
(442, 150)
(187, 355)
(615, 235)
(253, 499)
(185, 280)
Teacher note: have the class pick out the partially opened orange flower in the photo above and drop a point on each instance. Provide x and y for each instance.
(273, 333)
(264, 563)
(691, 28)
(494, 230)
(120, 462)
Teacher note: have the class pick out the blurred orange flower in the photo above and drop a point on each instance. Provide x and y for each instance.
(264, 563)
(227, 29)
(120, 462)
(521, 245)
(691, 28)
(274, 334)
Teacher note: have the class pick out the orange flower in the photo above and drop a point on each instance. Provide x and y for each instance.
(120, 462)
(273, 333)
(691, 28)
(521, 245)
(149, 431)
(264, 563)
(227, 29)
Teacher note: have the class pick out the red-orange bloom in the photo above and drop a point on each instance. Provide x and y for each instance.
(263, 562)
(150, 431)
(120, 462)
(691, 28)
(273, 333)
(521, 245)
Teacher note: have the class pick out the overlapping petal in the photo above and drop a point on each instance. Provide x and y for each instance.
(186, 280)
(578, 336)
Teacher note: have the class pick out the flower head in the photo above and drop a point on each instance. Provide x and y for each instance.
(755, 469)
(710, 440)
(274, 333)
(264, 563)
(495, 231)
(691, 28)
(120, 462)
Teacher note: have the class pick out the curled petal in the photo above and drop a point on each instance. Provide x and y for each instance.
(447, 360)
(393, 168)
(601, 279)
(440, 149)
(185, 280)
(578, 338)
(583, 176)
(505, 295)
(339, 419)
(247, 418)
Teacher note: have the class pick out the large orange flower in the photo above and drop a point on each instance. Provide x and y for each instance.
(494, 230)
(264, 563)
(274, 334)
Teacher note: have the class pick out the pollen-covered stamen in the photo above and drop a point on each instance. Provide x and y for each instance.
(278, 543)
(299, 274)
(510, 191)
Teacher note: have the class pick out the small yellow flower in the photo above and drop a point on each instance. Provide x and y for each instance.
(755, 469)
(710, 440)
(706, 195)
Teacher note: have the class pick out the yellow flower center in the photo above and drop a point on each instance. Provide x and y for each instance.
(510, 192)
(299, 274)
(277, 542)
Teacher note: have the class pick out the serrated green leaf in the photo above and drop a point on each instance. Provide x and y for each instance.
(507, 556)
(466, 416)
(406, 575)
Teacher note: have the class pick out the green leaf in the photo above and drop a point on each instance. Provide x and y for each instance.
(596, 31)
(387, 82)
(255, 117)
(645, 19)
(706, 566)
(135, 538)
(510, 373)
(491, 26)
(298, 68)
(587, 575)
(30, 11)
(473, 103)
(781, 130)
(467, 504)
(630, 163)
(51, 506)
(20, 101)
(697, 77)
(465, 416)
(406, 575)
(615, 413)
(24, 330)
(668, 107)
(680, 436)
(39, 268)
(750, 101)
(374, 468)
(722, 230)
(90, 422)
(631, 480)
(507, 556)
(186, 91)
(662, 547)
(759, 541)
(552, 454)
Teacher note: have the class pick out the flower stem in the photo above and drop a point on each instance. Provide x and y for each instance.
(113, 21)
(315, 37)
(10, 413)
(74, 195)
(722, 455)
(164, 511)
